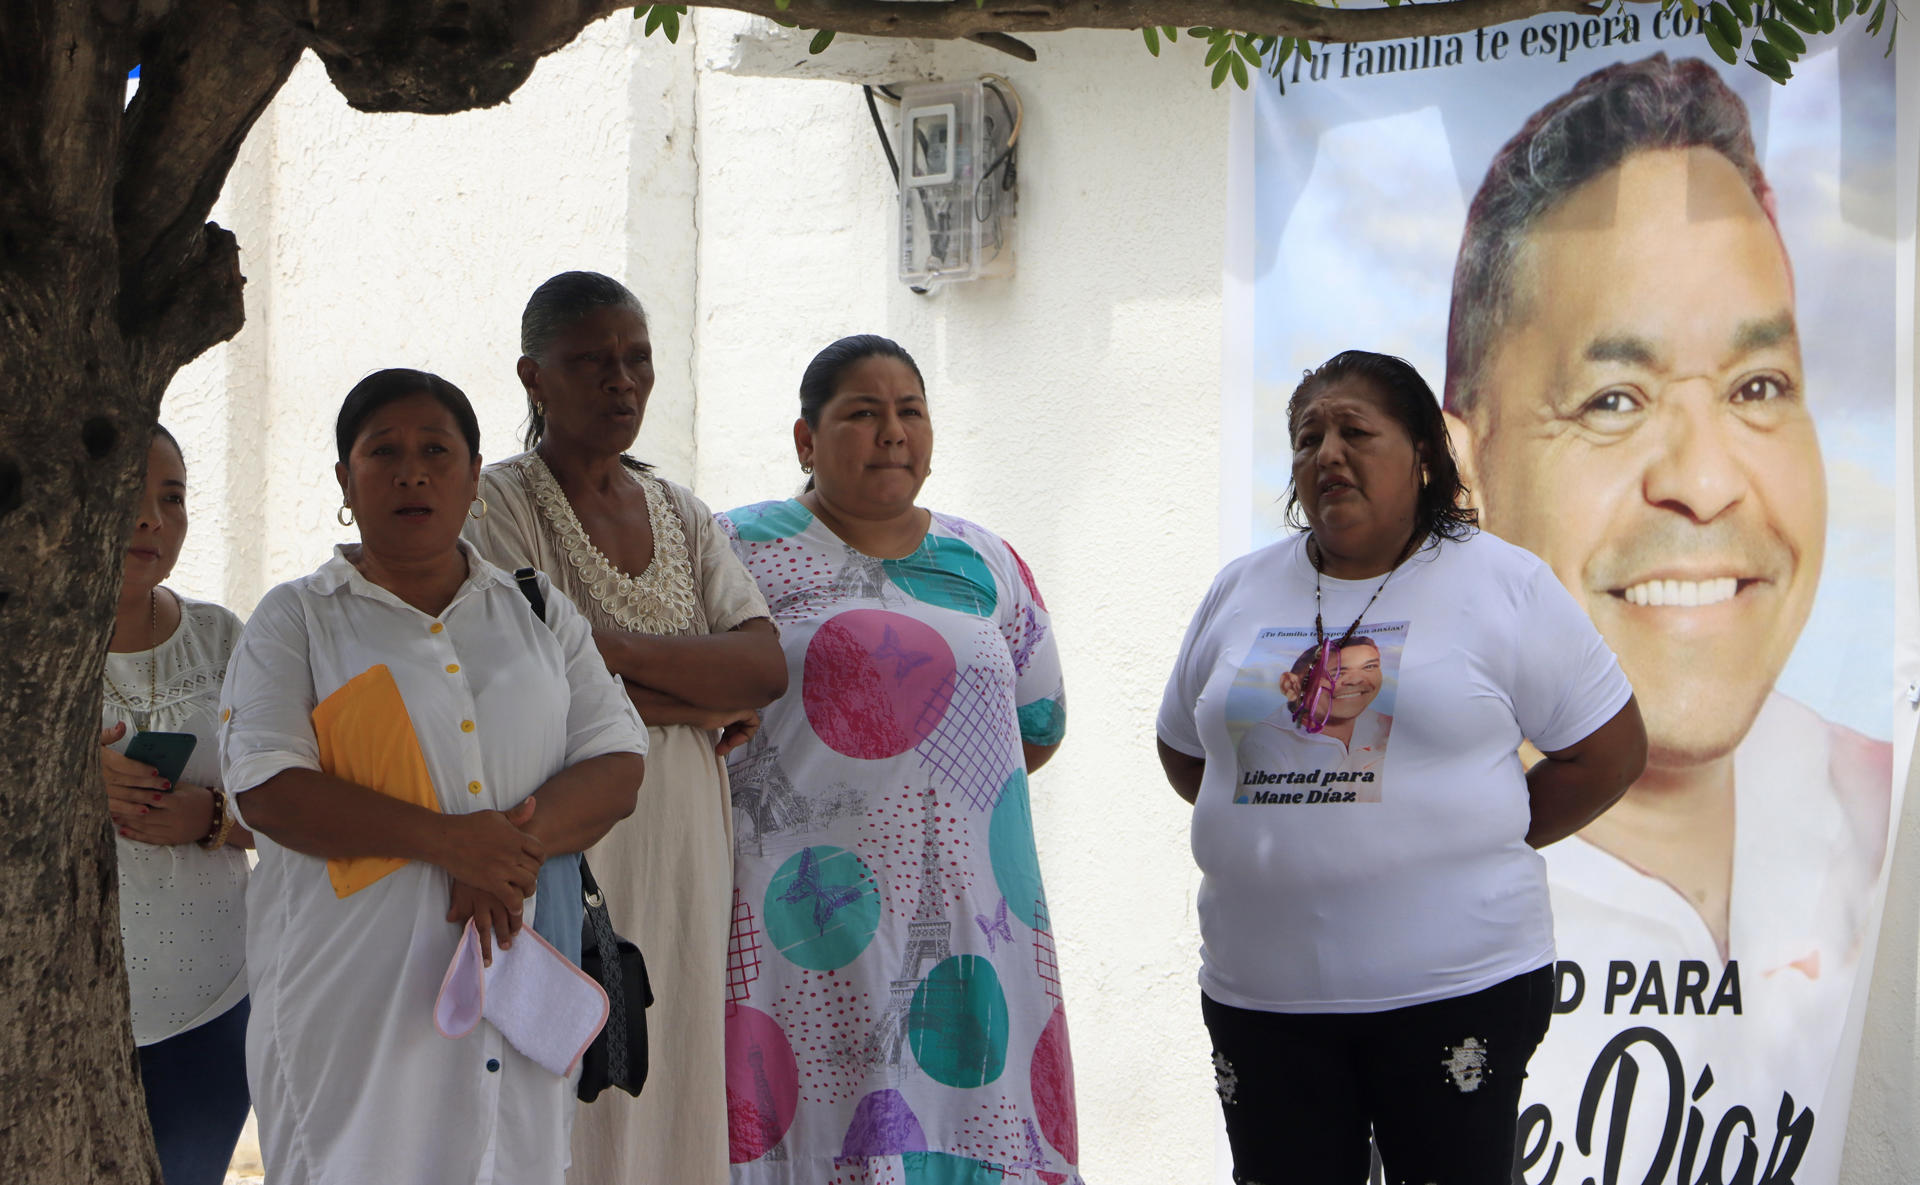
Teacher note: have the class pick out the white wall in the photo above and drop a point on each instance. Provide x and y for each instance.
(1076, 410)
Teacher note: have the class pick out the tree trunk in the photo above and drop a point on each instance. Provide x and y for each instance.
(73, 439)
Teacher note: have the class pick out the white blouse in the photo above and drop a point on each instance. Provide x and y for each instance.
(350, 1078)
(183, 919)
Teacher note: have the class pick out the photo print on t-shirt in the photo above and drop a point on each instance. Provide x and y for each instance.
(1308, 733)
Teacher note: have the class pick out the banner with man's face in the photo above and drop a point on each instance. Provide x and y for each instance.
(1657, 295)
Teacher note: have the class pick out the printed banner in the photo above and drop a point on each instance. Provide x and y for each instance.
(1657, 297)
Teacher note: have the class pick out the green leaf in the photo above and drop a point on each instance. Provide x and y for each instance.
(1783, 37)
(1200, 31)
(1285, 52)
(1798, 15)
(1248, 50)
(1743, 9)
(1217, 51)
(1239, 72)
(820, 41)
(782, 4)
(1220, 71)
(1879, 15)
(1718, 44)
(1771, 61)
(1152, 37)
(655, 15)
(1170, 33)
(1304, 48)
(670, 24)
(1726, 23)
(1691, 9)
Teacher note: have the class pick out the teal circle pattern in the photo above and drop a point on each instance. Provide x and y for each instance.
(1043, 722)
(822, 907)
(957, 1023)
(946, 572)
(944, 1168)
(765, 522)
(1016, 864)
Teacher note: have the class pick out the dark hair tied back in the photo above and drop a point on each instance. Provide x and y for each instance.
(1440, 508)
(383, 387)
(822, 378)
(557, 306)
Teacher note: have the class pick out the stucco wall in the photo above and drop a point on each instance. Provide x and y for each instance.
(1076, 409)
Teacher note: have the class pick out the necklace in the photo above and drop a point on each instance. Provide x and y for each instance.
(153, 662)
(1316, 700)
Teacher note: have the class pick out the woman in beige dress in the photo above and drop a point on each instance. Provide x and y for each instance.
(677, 617)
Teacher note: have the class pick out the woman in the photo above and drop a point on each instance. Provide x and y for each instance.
(677, 617)
(894, 1007)
(1388, 929)
(409, 743)
(183, 870)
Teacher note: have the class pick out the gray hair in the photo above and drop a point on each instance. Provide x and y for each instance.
(1608, 116)
(558, 305)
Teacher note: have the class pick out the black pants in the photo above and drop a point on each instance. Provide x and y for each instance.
(196, 1086)
(1436, 1085)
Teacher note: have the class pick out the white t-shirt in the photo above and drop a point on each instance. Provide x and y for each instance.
(1339, 886)
(183, 909)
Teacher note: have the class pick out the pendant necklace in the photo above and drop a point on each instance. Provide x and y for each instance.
(1316, 701)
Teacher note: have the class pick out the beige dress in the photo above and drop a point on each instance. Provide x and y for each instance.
(667, 870)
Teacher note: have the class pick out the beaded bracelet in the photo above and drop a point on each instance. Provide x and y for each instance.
(222, 825)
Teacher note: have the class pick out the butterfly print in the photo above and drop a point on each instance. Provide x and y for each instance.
(998, 926)
(904, 660)
(827, 899)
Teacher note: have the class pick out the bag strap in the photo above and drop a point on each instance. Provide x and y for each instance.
(529, 583)
(612, 976)
(605, 941)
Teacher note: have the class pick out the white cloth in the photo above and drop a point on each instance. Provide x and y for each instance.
(1810, 818)
(183, 909)
(350, 1080)
(544, 1005)
(1326, 894)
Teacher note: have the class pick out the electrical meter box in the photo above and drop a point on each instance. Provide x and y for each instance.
(956, 182)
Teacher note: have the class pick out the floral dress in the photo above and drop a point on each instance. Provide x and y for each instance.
(894, 1008)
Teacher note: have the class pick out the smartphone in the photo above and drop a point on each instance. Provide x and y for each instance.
(166, 752)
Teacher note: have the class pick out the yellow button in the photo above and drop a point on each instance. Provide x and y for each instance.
(466, 726)
(435, 628)
(473, 787)
(453, 668)
(226, 714)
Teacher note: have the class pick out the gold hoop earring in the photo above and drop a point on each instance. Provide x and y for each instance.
(344, 515)
(482, 503)
(806, 469)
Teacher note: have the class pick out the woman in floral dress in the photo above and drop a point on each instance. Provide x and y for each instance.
(894, 1003)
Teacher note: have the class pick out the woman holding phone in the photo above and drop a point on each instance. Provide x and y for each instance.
(183, 876)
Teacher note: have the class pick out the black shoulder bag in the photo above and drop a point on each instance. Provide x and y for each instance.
(618, 1055)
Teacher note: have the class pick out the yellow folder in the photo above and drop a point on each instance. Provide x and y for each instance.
(367, 738)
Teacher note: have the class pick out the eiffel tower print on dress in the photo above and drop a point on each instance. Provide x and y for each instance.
(929, 936)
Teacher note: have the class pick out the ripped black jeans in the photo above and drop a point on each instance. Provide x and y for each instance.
(1437, 1086)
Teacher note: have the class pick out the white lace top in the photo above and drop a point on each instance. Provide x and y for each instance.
(183, 918)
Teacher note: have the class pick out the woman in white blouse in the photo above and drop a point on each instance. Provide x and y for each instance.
(409, 743)
(183, 876)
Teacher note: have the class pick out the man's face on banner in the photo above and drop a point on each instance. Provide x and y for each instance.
(1642, 427)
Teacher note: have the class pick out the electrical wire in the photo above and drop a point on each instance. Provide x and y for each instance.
(879, 129)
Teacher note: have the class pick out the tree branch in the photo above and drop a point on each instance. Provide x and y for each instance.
(1280, 18)
(207, 72)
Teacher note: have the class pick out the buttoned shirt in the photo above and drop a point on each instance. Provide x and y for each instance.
(351, 1080)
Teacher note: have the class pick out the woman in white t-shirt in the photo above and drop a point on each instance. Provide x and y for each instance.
(183, 873)
(1377, 944)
